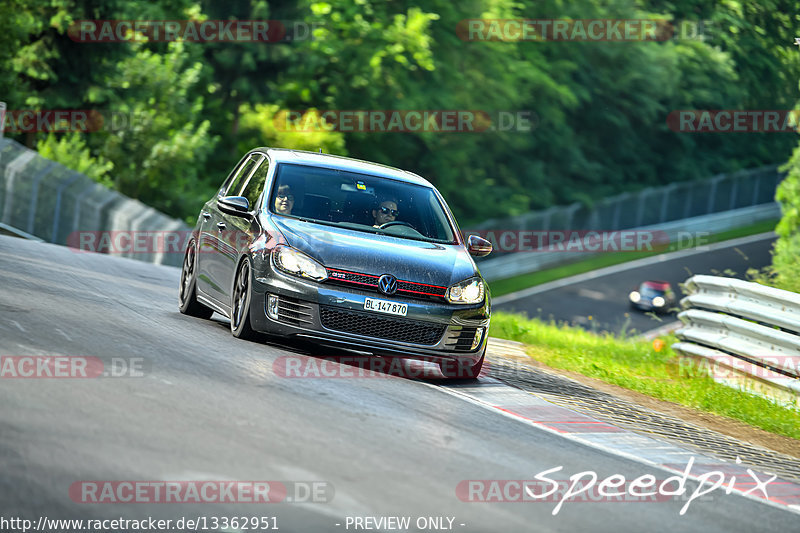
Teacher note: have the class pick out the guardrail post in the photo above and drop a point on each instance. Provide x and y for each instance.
(665, 202)
(688, 205)
(713, 195)
(37, 180)
(2, 119)
(756, 191)
(57, 210)
(734, 191)
(11, 173)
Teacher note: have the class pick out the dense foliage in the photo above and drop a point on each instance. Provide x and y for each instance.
(784, 272)
(600, 108)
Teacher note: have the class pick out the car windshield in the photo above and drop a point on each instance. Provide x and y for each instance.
(361, 202)
(650, 292)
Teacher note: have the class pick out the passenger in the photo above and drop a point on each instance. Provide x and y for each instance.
(385, 212)
(284, 200)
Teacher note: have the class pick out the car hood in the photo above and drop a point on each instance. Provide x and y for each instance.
(368, 253)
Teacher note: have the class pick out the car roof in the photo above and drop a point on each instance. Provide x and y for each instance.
(302, 157)
(657, 284)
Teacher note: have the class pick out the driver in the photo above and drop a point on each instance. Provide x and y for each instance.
(385, 212)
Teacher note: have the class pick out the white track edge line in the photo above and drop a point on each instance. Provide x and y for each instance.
(619, 453)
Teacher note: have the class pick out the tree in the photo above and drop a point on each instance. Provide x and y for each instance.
(160, 157)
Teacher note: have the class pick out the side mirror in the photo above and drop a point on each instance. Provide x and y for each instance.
(234, 205)
(478, 246)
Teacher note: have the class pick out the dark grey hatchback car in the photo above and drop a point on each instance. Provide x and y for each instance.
(340, 251)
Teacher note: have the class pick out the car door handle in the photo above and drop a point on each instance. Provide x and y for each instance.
(206, 215)
(221, 226)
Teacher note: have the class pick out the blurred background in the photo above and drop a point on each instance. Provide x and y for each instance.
(595, 112)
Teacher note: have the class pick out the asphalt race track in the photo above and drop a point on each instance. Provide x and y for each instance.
(603, 295)
(209, 407)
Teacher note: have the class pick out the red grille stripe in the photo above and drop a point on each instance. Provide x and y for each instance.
(399, 281)
(419, 292)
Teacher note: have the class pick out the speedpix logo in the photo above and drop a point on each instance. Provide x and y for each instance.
(589, 487)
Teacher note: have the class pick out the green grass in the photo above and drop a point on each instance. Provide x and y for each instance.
(636, 365)
(523, 281)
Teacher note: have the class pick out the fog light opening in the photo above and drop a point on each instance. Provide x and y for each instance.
(272, 306)
(478, 338)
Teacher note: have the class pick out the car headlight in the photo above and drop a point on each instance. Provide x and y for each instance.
(297, 263)
(658, 301)
(466, 292)
(635, 297)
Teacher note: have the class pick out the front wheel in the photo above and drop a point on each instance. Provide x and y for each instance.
(454, 369)
(187, 295)
(240, 303)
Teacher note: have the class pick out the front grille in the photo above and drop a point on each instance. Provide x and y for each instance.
(409, 289)
(353, 277)
(421, 288)
(461, 340)
(369, 325)
(293, 311)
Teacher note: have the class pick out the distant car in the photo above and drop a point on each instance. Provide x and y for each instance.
(297, 244)
(653, 296)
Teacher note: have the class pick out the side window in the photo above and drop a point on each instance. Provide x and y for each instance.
(252, 190)
(233, 173)
(242, 175)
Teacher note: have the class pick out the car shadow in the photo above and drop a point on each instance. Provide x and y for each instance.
(314, 359)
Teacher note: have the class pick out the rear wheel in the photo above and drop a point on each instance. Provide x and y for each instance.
(187, 295)
(240, 303)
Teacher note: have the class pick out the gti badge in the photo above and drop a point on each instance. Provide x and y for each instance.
(387, 284)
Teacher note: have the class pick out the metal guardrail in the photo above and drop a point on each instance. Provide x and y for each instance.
(44, 199)
(5, 229)
(719, 203)
(747, 335)
(514, 264)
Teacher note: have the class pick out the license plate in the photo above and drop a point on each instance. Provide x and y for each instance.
(384, 306)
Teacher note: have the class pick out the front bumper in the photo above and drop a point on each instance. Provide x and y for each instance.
(330, 314)
(647, 305)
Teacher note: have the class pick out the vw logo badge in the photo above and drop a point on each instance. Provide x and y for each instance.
(387, 284)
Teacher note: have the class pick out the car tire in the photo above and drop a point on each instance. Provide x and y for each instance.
(240, 303)
(462, 371)
(187, 292)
